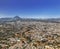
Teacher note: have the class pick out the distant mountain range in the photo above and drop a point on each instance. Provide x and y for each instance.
(17, 18)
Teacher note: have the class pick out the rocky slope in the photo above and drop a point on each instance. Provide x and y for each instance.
(30, 35)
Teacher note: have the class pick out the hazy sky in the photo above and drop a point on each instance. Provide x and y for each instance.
(30, 8)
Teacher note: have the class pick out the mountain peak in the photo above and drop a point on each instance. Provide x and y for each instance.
(17, 17)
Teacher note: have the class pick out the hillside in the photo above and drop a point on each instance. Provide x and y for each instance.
(19, 34)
